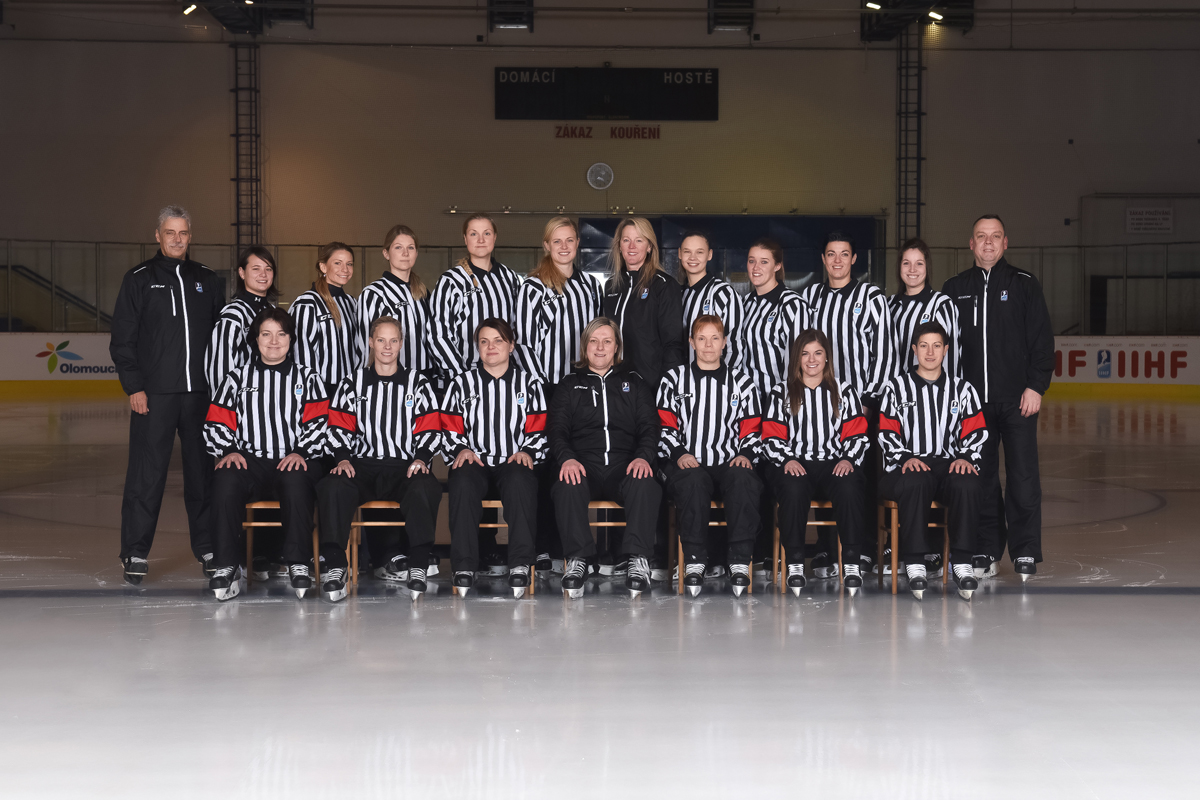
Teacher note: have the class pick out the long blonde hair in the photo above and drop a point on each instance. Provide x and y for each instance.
(547, 271)
(384, 320)
(465, 262)
(416, 286)
(616, 261)
(322, 285)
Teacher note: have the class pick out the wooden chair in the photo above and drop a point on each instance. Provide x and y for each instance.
(499, 506)
(889, 508)
(678, 549)
(249, 525)
(356, 531)
(780, 552)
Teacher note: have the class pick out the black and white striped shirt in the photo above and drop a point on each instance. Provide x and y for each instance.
(920, 419)
(494, 417)
(714, 415)
(816, 432)
(858, 324)
(909, 311)
(326, 348)
(459, 302)
(384, 416)
(773, 322)
(716, 296)
(228, 348)
(268, 411)
(549, 324)
(391, 297)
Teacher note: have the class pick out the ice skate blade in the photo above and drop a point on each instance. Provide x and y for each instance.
(415, 596)
(853, 590)
(1024, 577)
(737, 590)
(573, 594)
(796, 590)
(334, 597)
(965, 594)
(635, 593)
(518, 592)
(462, 591)
(918, 593)
(227, 594)
(300, 593)
(135, 580)
(693, 590)
(261, 575)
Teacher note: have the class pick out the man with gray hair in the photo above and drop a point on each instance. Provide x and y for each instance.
(164, 317)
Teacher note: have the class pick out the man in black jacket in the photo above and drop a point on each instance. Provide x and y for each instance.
(164, 318)
(1008, 356)
(604, 431)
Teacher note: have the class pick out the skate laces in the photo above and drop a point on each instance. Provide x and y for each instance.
(416, 574)
(336, 574)
(522, 570)
(224, 572)
(639, 567)
(1025, 560)
(964, 571)
(739, 569)
(694, 569)
(795, 569)
(852, 571)
(298, 570)
(915, 571)
(136, 560)
(575, 568)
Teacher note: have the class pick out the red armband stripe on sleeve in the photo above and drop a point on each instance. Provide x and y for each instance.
(774, 430)
(314, 410)
(223, 416)
(887, 423)
(429, 421)
(972, 424)
(452, 423)
(341, 419)
(748, 426)
(855, 426)
(668, 419)
(535, 422)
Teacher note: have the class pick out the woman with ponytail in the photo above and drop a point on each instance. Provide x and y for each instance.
(478, 287)
(400, 294)
(327, 318)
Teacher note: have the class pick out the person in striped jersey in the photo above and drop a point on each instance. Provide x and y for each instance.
(266, 425)
(854, 316)
(918, 302)
(229, 349)
(493, 435)
(327, 318)
(401, 295)
(931, 431)
(478, 287)
(711, 431)
(815, 438)
(384, 427)
(705, 293)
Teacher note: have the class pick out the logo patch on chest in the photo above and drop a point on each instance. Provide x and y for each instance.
(645, 293)
(733, 401)
(1003, 295)
(199, 287)
(520, 398)
(299, 390)
(408, 401)
(954, 409)
(858, 308)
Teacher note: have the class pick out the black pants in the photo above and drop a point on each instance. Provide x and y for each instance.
(375, 479)
(547, 521)
(870, 470)
(469, 486)
(795, 492)
(640, 497)
(295, 490)
(913, 491)
(693, 489)
(1016, 515)
(151, 438)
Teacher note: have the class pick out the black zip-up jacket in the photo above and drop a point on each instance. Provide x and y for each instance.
(649, 320)
(162, 323)
(603, 420)
(1005, 334)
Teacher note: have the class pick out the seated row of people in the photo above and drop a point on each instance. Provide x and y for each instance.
(608, 435)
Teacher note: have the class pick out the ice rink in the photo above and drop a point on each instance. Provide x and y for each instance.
(1080, 684)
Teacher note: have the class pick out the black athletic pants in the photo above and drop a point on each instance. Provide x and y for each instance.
(913, 491)
(151, 438)
(870, 470)
(1015, 515)
(469, 486)
(692, 490)
(796, 492)
(338, 498)
(640, 497)
(295, 490)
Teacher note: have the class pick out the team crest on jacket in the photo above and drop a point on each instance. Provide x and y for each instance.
(954, 409)
(645, 293)
(408, 401)
(707, 307)
(858, 307)
(299, 390)
(520, 398)
(1003, 295)
(733, 401)
(625, 386)
(924, 318)
(771, 316)
(200, 287)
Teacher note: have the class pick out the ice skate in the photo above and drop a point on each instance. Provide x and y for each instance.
(638, 579)
(795, 578)
(574, 578)
(544, 563)
(620, 567)
(866, 565)
(984, 566)
(463, 581)
(494, 565)
(964, 579)
(1025, 566)
(135, 569)
(739, 578)
(334, 587)
(916, 580)
(518, 581)
(394, 571)
(933, 565)
(823, 566)
(207, 566)
(416, 583)
(693, 578)
(852, 579)
(658, 571)
(260, 568)
(225, 583)
(714, 572)
(301, 579)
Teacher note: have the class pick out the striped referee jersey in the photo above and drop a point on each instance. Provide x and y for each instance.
(816, 432)
(548, 324)
(459, 302)
(858, 324)
(391, 297)
(773, 322)
(228, 348)
(714, 415)
(494, 417)
(716, 296)
(328, 349)
(268, 411)
(930, 419)
(384, 416)
(909, 311)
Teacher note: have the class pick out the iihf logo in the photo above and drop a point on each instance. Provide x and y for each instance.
(954, 409)
(1103, 363)
(520, 398)
(707, 307)
(858, 308)
(924, 318)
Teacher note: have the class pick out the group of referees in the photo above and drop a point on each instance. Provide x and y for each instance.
(552, 391)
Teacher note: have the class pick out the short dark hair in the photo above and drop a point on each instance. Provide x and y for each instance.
(838, 236)
(913, 244)
(274, 314)
(500, 326)
(266, 255)
(930, 327)
(991, 216)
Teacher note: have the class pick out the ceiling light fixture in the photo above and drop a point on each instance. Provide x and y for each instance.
(935, 15)
(189, 9)
(875, 6)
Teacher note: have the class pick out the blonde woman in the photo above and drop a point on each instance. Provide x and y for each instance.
(325, 316)
(401, 295)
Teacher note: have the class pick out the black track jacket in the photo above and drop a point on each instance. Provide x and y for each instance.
(649, 320)
(603, 420)
(1006, 338)
(164, 318)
